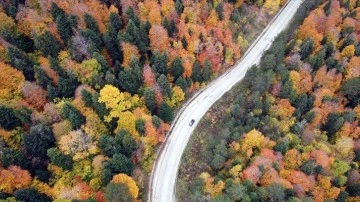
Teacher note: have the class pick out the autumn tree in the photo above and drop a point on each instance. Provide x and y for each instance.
(129, 182)
(159, 40)
(14, 178)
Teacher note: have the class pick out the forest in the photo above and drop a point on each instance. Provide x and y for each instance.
(289, 131)
(88, 89)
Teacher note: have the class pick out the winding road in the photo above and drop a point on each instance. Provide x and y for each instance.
(164, 174)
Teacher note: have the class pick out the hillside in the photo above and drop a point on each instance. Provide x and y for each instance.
(88, 88)
(290, 130)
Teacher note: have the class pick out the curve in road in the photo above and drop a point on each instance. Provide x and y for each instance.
(164, 174)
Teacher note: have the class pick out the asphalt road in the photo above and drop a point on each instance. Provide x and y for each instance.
(164, 174)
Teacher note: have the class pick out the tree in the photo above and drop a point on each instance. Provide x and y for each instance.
(276, 192)
(22, 62)
(116, 101)
(64, 27)
(219, 10)
(56, 11)
(181, 82)
(12, 157)
(179, 7)
(91, 24)
(129, 182)
(159, 62)
(350, 89)
(14, 178)
(196, 72)
(8, 119)
(47, 44)
(177, 68)
(165, 112)
(129, 81)
(150, 100)
(306, 48)
(31, 195)
(34, 95)
(73, 115)
(206, 74)
(115, 24)
(164, 84)
(39, 139)
(333, 124)
(60, 159)
(159, 39)
(112, 48)
(115, 192)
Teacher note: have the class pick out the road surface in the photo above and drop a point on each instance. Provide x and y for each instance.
(164, 174)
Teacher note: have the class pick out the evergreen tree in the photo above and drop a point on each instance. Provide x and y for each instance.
(150, 100)
(306, 48)
(103, 62)
(59, 159)
(118, 192)
(73, 115)
(22, 62)
(8, 120)
(196, 72)
(164, 85)
(351, 91)
(206, 74)
(56, 11)
(39, 139)
(333, 124)
(179, 7)
(177, 68)
(115, 24)
(48, 44)
(129, 81)
(13, 157)
(112, 48)
(159, 62)
(131, 16)
(184, 42)
(165, 112)
(287, 91)
(31, 195)
(181, 82)
(92, 24)
(64, 28)
(219, 10)
(93, 38)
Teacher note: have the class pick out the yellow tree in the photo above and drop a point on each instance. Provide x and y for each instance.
(116, 101)
(272, 6)
(11, 81)
(129, 52)
(253, 139)
(177, 97)
(129, 182)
